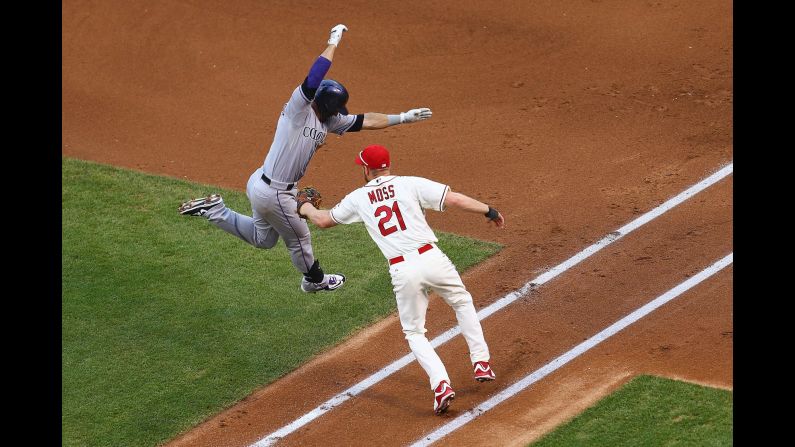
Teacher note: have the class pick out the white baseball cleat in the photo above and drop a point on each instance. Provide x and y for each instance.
(443, 395)
(199, 207)
(329, 283)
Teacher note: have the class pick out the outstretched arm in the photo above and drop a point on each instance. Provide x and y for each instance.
(373, 120)
(466, 203)
(321, 66)
(321, 218)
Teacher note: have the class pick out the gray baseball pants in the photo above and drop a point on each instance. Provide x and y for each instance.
(273, 214)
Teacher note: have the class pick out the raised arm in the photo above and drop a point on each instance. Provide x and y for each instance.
(466, 203)
(321, 66)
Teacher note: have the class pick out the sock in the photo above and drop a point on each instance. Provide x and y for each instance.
(315, 274)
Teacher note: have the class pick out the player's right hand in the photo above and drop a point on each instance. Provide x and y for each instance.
(336, 34)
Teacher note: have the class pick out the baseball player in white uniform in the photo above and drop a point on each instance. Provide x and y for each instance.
(392, 209)
(314, 109)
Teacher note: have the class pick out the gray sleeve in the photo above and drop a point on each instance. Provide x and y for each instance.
(298, 104)
(339, 124)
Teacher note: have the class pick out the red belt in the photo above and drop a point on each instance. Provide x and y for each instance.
(421, 250)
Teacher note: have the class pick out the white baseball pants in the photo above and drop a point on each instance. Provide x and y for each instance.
(411, 281)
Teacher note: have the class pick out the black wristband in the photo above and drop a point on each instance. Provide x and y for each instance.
(492, 214)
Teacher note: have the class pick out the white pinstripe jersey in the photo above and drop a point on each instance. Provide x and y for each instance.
(298, 135)
(393, 210)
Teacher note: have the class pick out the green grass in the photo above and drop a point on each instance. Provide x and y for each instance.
(651, 411)
(167, 320)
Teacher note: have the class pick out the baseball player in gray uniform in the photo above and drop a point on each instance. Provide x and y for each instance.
(315, 108)
(393, 211)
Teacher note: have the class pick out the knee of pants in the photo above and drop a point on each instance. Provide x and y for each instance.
(460, 299)
(265, 243)
(265, 237)
(417, 333)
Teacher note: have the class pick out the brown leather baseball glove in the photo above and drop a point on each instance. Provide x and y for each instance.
(308, 194)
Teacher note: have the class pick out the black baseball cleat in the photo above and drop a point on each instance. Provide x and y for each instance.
(199, 207)
(330, 282)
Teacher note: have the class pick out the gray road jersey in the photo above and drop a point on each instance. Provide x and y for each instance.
(298, 135)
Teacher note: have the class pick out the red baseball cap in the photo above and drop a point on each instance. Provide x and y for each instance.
(374, 157)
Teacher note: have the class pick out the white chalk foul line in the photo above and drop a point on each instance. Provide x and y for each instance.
(497, 305)
(542, 372)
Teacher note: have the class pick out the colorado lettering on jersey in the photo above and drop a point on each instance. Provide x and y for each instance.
(382, 193)
(318, 136)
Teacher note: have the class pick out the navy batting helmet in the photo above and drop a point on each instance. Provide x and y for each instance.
(331, 98)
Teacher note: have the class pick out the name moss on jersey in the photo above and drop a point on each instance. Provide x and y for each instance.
(393, 211)
(381, 194)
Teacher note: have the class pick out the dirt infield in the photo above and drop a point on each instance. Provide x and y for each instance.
(570, 117)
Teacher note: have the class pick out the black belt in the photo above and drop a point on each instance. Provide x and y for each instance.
(268, 181)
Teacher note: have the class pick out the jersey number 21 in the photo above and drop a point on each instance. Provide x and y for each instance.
(388, 212)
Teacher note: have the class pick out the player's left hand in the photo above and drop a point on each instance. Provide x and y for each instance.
(308, 195)
(499, 221)
(415, 115)
(336, 34)
(497, 218)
